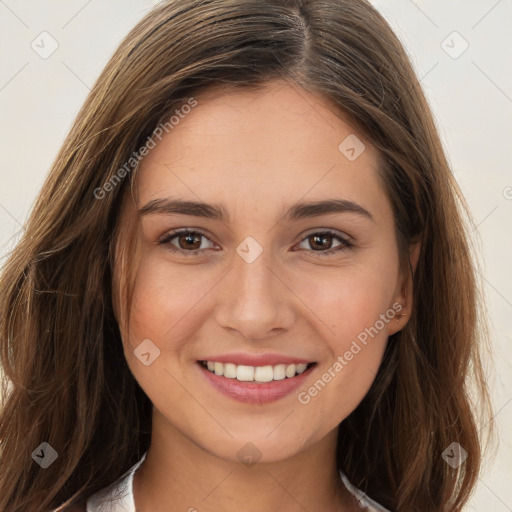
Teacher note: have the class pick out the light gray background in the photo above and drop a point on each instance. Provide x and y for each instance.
(471, 96)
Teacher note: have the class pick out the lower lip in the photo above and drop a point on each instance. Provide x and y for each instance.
(255, 392)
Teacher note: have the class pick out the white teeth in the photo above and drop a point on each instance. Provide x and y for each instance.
(255, 373)
(244, 373)
(301, 368)
(290, 370)
(230, 370)
(263, 373)
(279, 371)
(219, 369)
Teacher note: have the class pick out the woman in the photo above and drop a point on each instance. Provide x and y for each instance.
(246, 281)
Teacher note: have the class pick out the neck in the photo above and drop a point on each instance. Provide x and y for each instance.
(179, 475)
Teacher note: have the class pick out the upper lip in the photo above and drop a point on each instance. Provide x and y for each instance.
(240, 358)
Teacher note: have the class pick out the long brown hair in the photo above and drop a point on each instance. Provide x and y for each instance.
(66, 380)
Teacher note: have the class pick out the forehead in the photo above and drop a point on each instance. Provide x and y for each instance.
(252, 147)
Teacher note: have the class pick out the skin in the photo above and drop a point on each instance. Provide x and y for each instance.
(231, 150)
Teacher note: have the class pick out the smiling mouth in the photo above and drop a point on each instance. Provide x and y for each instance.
(256, 374)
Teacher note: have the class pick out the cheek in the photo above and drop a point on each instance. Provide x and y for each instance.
(349, 300)
(355, 302)
(163, 302)
(356, 305)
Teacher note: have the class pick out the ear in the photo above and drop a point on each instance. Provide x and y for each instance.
(405, 294)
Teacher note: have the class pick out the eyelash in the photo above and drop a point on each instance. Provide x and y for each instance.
(167, 238)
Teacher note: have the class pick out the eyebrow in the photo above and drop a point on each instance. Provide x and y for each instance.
(297, 211)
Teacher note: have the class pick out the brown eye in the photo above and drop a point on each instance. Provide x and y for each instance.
(188, 242)
(322, 243)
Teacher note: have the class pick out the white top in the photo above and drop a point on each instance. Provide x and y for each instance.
(122, 494)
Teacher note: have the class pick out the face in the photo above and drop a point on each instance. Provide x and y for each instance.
(267, 286)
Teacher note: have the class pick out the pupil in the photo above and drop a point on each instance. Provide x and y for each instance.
(319, 238)
(190, 240)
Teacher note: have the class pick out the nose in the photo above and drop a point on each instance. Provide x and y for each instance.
(255, 299)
